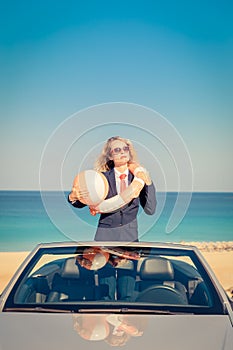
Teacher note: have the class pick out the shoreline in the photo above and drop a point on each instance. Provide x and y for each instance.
(219, 255)
(218, 246)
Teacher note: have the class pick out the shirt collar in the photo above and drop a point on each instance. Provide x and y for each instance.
(117, 173)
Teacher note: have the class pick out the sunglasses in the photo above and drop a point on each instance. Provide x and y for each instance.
(118, 150)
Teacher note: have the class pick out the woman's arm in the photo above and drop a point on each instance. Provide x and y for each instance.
(147, 199)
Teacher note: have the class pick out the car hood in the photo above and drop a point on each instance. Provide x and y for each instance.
(89, 331)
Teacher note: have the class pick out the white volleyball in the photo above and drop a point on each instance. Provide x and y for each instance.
(94, 184)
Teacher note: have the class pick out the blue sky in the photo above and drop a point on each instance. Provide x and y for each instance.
(60, 57)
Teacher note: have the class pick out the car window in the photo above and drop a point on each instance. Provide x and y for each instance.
(136, 277)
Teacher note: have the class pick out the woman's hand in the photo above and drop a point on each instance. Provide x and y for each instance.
(137, 170)
(93, 210)
(77, 194)
(143, 174)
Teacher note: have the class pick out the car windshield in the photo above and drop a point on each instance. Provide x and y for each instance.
(118, 278)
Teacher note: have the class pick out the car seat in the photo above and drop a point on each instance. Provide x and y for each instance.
(157, 284)
(73, 283)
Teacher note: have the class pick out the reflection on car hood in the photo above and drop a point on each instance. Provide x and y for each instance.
(82, 331)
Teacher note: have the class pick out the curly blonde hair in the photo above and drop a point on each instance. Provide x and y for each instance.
(104, 163)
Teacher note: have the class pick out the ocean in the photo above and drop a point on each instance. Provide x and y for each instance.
(27, 218)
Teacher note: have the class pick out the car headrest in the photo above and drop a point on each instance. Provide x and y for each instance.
(157, 268)
(70, 269)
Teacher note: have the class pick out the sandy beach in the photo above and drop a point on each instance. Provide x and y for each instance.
(219, 256)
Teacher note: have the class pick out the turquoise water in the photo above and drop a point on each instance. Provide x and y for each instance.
(24, 221)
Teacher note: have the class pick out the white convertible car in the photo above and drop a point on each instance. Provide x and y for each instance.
(87, 295)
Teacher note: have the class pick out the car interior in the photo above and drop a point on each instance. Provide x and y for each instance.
(153, 278)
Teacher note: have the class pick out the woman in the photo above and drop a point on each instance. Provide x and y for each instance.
(117, 156)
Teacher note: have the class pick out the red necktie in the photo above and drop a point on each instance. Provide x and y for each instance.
(122, 183)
